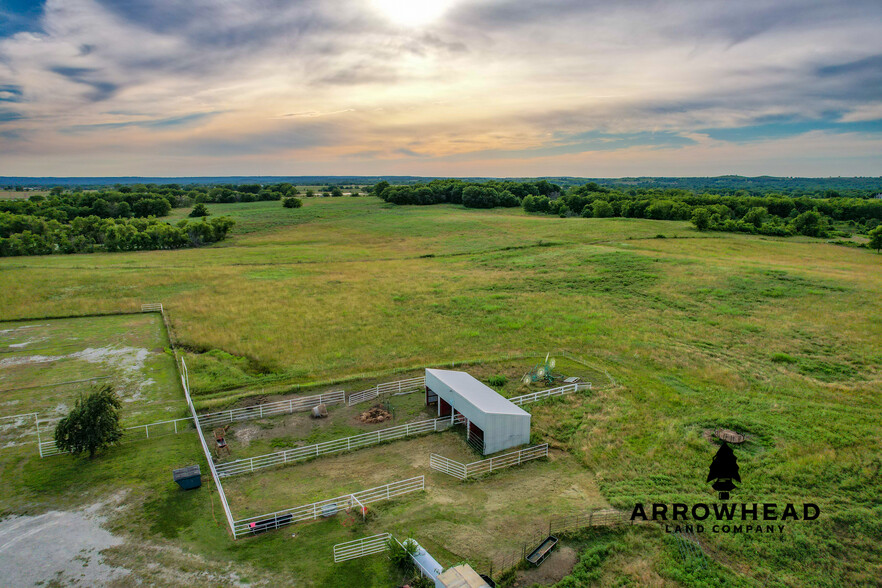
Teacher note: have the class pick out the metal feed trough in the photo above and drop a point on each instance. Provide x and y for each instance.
(538, 555)
(258, 527)
(189, 477)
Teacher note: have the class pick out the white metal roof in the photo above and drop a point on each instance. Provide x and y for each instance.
(482, 397)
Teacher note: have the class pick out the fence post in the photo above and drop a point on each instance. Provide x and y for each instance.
(291, 405)
(176, 427)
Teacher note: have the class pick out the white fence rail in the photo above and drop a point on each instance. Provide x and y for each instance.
(326, 508)
(447, 466)
(151, 307)
(185, 382)
(250, 464)
(485, 466)
(258, 411)
(543, 394)
(399, 387)
(361, 547)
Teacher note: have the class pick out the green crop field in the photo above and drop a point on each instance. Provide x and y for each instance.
(778, 338)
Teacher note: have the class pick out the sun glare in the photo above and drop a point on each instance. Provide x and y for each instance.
(412, 12)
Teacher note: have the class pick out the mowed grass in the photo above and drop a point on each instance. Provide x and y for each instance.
(778, 338)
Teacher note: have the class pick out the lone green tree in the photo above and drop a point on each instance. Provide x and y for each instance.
(92, 424)
(876, 238)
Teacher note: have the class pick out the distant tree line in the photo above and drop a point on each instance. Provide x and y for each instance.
(488, 194)
(768, 214)
(31, 235)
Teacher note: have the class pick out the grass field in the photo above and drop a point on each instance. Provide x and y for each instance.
(778, 338)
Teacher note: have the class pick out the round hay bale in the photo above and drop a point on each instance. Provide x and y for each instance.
(729, 436)
(319, 411)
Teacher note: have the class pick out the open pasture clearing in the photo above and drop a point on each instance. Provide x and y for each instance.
(777, 338)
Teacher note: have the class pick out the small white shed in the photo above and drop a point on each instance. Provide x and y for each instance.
(491, 419)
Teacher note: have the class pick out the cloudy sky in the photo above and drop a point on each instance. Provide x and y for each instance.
(440, 87)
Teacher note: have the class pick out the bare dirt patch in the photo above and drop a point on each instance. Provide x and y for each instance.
(558, 565)
(59, 546)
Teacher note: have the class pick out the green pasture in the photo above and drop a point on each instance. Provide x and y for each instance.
(777, 338)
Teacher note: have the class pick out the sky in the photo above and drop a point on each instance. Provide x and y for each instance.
(440, 87)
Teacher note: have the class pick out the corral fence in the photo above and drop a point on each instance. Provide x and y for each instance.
(132, 434)
(327, 508)
(551, 392)
(250, 464)
(485, 466)
(151, 307)
(259, 411)
(185, 382)
(361, 547)
(399, 387)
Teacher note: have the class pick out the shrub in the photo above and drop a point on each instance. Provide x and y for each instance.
(292, 202)
(497, 380)
(199, 210)
(601, 209)
(400, 554)
(701, 218)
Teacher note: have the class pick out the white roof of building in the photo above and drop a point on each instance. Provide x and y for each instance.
(482, 397)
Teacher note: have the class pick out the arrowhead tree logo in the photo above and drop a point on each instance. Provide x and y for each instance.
(724, 469)
(723, 516)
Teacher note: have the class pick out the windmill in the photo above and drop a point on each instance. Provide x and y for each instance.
(541, 371)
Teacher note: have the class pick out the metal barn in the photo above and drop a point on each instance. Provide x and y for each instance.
(493, 423)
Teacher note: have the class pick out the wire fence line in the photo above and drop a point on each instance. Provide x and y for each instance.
(250, 464)
(485, 466)
(258, 411)
(327, 508)
(401, 386)
(361, 547)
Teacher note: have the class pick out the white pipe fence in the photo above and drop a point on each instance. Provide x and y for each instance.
(326, 508)
(258, 411)
(185, 381)
(151, 307)
(250, 464)
(485, 466)
(361, 547)
(543, 394)
(400, 387)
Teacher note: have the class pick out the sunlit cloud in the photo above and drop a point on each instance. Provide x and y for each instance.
(441, 87)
